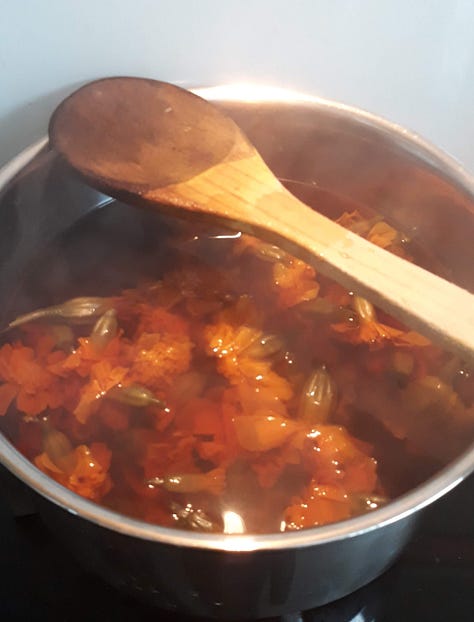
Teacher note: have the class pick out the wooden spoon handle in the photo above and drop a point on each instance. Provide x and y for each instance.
(427, 303)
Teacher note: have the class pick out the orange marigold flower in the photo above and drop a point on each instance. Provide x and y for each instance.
(370, 331)
(319, 505)
(159, 358)
(295, 282)
(86, 355)
(103, 376)
(27, 379)
(89, 477)
(257, 374)
(227, 339)
(376, 334)
(264, 430)
(334, 457)
(159, 320)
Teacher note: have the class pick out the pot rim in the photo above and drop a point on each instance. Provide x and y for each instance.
(424, 494)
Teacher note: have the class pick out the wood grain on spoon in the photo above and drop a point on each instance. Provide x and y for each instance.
(156, 145)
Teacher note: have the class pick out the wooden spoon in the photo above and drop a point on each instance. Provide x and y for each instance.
(153, 144)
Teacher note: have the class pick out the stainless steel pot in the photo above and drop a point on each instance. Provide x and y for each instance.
(334, 149)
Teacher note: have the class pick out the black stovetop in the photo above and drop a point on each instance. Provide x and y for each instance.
(433, 581)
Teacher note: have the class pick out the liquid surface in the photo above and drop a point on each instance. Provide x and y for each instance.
(206, 380)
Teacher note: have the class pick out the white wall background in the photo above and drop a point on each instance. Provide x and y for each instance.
(409, 60)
